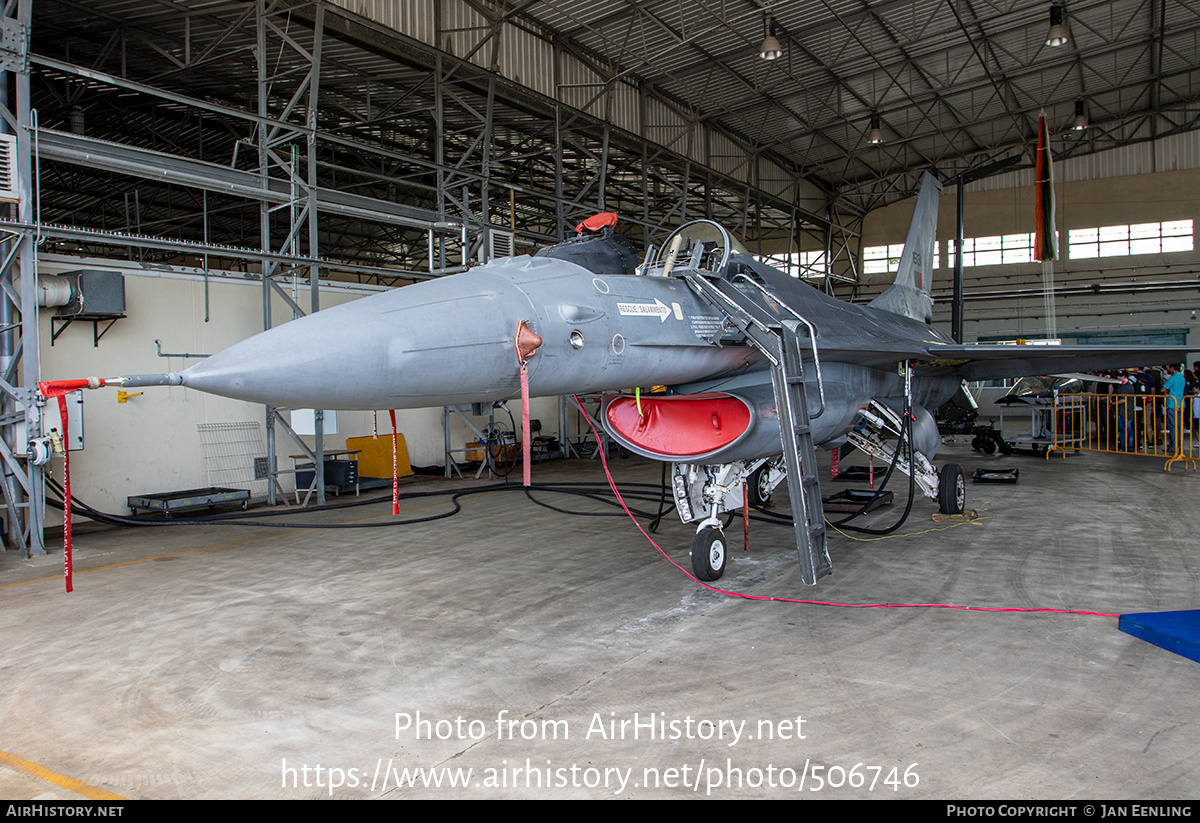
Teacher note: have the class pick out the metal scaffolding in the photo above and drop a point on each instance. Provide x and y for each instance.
(20, 411)
(298, 142)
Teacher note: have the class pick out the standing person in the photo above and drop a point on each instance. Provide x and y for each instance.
(1124, 397)
(1145, 426)
(1195, 392)
(1173, 388)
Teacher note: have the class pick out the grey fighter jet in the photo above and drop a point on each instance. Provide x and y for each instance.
(760, 367)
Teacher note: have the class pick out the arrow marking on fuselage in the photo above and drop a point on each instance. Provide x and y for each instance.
(657, 309)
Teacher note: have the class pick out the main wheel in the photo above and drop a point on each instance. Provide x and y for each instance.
(952, 489)
(708, 554)
(757, 488)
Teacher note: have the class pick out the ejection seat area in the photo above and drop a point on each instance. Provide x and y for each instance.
(701, 245)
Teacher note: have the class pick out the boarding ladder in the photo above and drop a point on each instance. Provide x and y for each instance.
(775, 329)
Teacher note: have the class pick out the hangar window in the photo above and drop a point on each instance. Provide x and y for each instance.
(997, 250)
(798, 264)
(1139, 238)
(878, 259)
(809, 264)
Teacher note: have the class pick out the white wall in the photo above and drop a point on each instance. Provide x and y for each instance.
(150, 444)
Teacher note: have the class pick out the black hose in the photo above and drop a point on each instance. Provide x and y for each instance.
(590, 490)
(912, 484)
(906, 442)
(662, 500)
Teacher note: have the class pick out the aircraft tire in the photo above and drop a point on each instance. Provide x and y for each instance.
(759, 496)
(952, 489)
(708, 554)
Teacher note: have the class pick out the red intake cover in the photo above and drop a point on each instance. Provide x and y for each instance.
(680, 426)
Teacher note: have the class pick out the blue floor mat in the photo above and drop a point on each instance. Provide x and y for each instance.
(1177, 632)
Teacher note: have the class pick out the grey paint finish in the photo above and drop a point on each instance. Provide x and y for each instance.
(451, 340)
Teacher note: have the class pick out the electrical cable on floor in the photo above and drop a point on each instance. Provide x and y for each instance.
(741, 595)
(606, 501)
(585, 489)
(581, 489)
(975, 522)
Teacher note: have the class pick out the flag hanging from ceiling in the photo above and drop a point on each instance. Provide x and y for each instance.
(1045, 241)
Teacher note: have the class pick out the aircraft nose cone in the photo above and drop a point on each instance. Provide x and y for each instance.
(429, 344)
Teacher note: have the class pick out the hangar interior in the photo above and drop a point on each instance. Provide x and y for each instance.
(240, 164)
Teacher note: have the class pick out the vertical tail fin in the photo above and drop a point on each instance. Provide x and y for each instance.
(911, 294)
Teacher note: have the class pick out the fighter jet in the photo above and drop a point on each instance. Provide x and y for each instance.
(760, 367)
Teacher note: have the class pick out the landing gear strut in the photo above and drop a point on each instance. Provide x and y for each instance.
(704, 493)
(947, 487)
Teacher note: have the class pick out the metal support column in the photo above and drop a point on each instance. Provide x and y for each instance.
(956, 306)
(277, 153)
(22, 482)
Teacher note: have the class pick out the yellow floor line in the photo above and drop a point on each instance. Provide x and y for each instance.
(51, 776)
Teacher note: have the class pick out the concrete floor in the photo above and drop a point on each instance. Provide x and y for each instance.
(232, 662)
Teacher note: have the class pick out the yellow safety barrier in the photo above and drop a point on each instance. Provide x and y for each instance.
(1146, 424)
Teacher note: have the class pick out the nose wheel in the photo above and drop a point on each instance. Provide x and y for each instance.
(708, 554)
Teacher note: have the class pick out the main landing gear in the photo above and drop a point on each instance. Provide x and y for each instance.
(947, 487)
(952, 489)
(704, 493)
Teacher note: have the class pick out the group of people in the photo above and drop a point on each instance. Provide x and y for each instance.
(1133, 423)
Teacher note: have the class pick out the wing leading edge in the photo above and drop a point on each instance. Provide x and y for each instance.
(988, 362)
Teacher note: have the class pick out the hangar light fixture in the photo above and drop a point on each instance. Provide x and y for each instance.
(1081, 121)
(1057, 36)
(770, 48)
(875, 135)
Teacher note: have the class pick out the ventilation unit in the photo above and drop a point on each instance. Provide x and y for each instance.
(500, 244)
(8, 169)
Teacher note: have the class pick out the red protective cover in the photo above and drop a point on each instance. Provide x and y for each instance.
(58, 388)
(680, 426)
(604, 220)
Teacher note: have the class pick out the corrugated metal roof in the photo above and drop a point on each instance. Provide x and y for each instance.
(954, 84)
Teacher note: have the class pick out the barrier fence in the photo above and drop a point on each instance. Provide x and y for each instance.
(1151, 425)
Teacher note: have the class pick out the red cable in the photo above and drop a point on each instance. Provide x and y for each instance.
(612, 485)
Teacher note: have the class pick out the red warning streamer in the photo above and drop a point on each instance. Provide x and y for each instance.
(60, 389)
(525, 442)
(395, 471)
(526, 342)
(62, 413)
(57, 388)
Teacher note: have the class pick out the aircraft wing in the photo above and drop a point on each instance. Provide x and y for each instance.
(988, 362)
